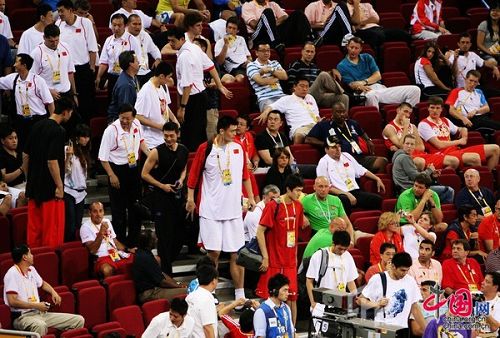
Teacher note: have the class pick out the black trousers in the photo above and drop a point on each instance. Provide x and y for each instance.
(122, 202)
(194, 128)
(85, 87)
(337, 25)
(73, 216)
(365, 200)
(434, 91)
(376, 36)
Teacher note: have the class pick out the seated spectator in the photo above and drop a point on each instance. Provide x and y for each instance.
(323, 86)
(425, 267)
(252, 217)
(175, 323)
(245, 137)
(436, 132)
(426, 21)
(323, 237)
(415, 232)
(425, 289)
(244, 326)
(264, 76)
(280, 169)
(362, 74)
(330, 20)
(29, 313)
(426, 69)
(353, 138)
(300, 110)
(174, 11)
(460, 271)
(487, 34)
(232, 53)
(480, 197)
(266, 21)
(463, 228)
(420, 198)
(469, 107)
(395, 131)
(490, 288)
(11, 198)
(388, 232)
(98, 236)
(462, 60)
(11, 159)
(341, 272)
(271, 139)
(387, 251)
(489, 230)
(129, 7)
(150, 282)
(404, 170)
(492, 262)
(342, 170)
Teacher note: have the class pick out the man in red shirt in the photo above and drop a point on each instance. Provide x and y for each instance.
(489, 230)
(277, 235)
(460, 271)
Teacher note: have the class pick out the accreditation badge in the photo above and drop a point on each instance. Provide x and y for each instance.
(32, 299)
(26, 110)
(486, 211)
(226, 177)
(116, 68)
(56, 77)
(132, 162)
(349, 184)
(274, 86)
(473, 288)
(341, 287)
(290, 238)
(113, 254)
(355, 147)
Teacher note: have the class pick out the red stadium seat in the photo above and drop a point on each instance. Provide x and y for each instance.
(360, 262)
(370, 120)
(451, 180)
(101, 12)
(91, 304)
(476, 18)
(291, 56)
(5, 318)
(228, 112)
(85, 284)
(328, 59)
(130, 318)
(5, 239)
(121, 293)
(19, 228)
(387, 6)
(450, 12)
(308, 186)
(449, 216)
(406, 11)
(116, 331)
(307, 156)
(366, 213)
(366, 224)
(396, 22)
(153, 308)
(74, 333)
(363, 244)
(47, 265)
(240, 100)
(67, 302)
(389, 204)
(447, 42)
(22, 18)
(458, 24)
(74, 265)
(105, 326)
(396, 59)
(15, 211)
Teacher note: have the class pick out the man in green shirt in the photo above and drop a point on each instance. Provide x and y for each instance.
(420, 198)
(323, 238)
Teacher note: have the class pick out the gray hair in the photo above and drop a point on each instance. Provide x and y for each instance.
(270, 188)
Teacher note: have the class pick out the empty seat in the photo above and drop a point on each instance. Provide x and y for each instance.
(240, 100)
(22, 18)
(458, 24)
(91, 304)
(114, 331)
(19, 228)
(67, 302)
(395, 22)
(74, 265)
(387, 6)
(130, 318)
(447, 42)
(153, 308)
(74, 333)
(228, 112)
(366, 224)
(328, 60)
(120, 294)
(363, 244)
(451, 180)
(370, 120)
(366, 213)
(396, 59)
(47, 265)
(5, 318)
(5, 239)
(307, 156)
(389, 204)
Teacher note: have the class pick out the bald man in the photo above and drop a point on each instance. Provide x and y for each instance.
(481, 198)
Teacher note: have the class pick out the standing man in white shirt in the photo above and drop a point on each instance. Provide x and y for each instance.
(128, 8)
(78, 34)
(118, 42)
(252, 218)
(5, 29)
(192, 112)
(119, 153)
(152, 105)
(33, 36)
(134, 27)
(176, 322)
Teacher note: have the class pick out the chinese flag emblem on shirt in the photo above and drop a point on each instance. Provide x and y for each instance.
(64, 53)
(78, 30)
(236, 151)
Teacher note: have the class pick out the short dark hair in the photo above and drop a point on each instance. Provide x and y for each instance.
(62, 105)
(356, 40)
(464, 35)
(205, 260)
(465, 243)
(300, 77)
(203, 43)
(341, 237)
(435, 100)
(277, 281)
(246, 320)
(192, 18)
(42, 10)
(163, 68)
(18, 252)
(424, 179)
(277, 112)
(386, 246)
(133, 16)
(176, 32)
(247, 119)
(409, 136)
(83, 4)
(119, 16)
(68, 4)
(474, 73)
(179, 305)
(125, 108)
(25, 60)
(405, 104)
(206, 274)
(170, 126)
(428, 282)
(294, 181)
(234, 20)
(402, 260)
(126, 58)
(464, 211)
(260, 43)
(225, 122)
(5, 130)
(495, 276)
(429, 242)
(51, 31)
(146, 239)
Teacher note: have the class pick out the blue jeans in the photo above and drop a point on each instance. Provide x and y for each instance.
(446, 194)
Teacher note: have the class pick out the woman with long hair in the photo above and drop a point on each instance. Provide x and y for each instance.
(77, 163)
(488, 35)
(280, 169)
(426, 68)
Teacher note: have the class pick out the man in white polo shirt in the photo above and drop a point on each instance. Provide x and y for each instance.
(5, 29)
(31, 94)
(128, 8)
(54, 63)
(118, 42)
(33, 36)
(152, 105)
(300, 110)
(78, 34)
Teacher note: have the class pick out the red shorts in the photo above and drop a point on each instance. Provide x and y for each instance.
(436, 159)
(291, 273)
(479, 149)
(121, 266)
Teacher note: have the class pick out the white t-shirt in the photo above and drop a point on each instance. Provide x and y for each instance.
(420, 74)
(299, 112)
(494, 310)
(412, 239)
(33, 90)
(145, 20)
(338, 172)
(161, 326)
(341, 269)
(426, 132)
(202, 310)
(25, 286)
(220, 201)
(29, 40)
(76, 179)
(191, 63)
(114, 46)
(237, 52)
(47, 61)
(252, 219)
(89, 231)
(80, 38)
(5, 29)
(402, 294)
(147, 47)
(464, 64)
(116, 143)
(152, 103)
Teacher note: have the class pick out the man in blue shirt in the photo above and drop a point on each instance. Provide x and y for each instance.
(362, 75)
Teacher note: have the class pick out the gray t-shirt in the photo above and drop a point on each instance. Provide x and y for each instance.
(488, 39)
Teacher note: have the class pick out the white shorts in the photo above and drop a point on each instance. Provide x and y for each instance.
(226, 235)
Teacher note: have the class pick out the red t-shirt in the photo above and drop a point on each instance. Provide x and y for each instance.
(450, 237)
(458, 276)
(380, 239)
(280, 254)
(234, 328)
(489, 229)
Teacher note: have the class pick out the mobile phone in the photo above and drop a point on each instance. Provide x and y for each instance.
(461, 52)
(177, 185)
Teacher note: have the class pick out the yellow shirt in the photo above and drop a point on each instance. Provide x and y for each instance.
(166, 5)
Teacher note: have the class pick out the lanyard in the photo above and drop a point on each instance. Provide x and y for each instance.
(477, 200)
(115, 55)
(276, 145)
(348, 131)
(465, 277)
(132, 150)
(281, 318)
(58, 62)
(380, 267)
(307, 106)
(228, 157)
(346, 176)
(27, 282)
(288, 218)
(336, 280)
(326, 214)
(27, 84)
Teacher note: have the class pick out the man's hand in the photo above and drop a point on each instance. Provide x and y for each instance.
(463, 140)
(103, 230)
(190, 207)
(471, 114)
(380, 186)
(406, 122)
(75, 99)
(313, 305)
(180, 114)
(97, 82)
(115, 182)
(41, 306)
(496, 73)
(55, 94)
(427, 195)
(226, 92)
(59, 193)
(444, 30)
(56, 299)
(167, 187)
(382, 302)
(351, 198)
(264, 265)
(265, 70)
(251, 204)
(262, 118)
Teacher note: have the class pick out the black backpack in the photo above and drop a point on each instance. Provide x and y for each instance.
(370, 313)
